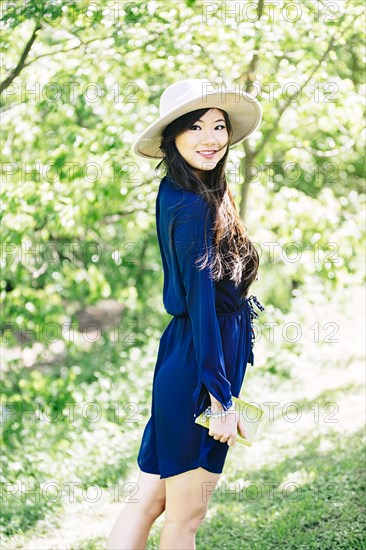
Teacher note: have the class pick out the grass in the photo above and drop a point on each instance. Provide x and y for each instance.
(320, 508)
(323, 509)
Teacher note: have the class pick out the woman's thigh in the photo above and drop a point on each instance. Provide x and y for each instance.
(188, 495)
(150, 493)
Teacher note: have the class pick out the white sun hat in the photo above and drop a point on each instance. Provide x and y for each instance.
(245, 112)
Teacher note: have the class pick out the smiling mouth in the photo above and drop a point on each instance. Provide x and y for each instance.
(207, 153)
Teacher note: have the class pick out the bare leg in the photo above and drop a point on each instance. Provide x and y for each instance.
(187, 499)
(132, 528)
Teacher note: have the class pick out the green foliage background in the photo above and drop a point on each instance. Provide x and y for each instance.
(79, 82)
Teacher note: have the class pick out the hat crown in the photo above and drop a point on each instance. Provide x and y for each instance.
(182, 92)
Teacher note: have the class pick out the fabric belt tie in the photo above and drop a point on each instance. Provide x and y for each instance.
(253, 314)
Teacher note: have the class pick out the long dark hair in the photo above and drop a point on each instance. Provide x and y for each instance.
(234, 255)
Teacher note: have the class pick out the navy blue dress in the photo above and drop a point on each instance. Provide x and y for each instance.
(205, 347)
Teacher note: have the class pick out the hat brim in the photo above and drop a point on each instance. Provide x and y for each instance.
(245, 114)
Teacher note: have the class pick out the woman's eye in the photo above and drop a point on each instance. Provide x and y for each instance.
(220, 126)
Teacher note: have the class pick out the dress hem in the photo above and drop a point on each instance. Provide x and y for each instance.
(164, 476)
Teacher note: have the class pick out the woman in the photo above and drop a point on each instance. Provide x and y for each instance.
(209, 264)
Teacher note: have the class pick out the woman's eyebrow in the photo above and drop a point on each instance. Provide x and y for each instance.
(220, 120)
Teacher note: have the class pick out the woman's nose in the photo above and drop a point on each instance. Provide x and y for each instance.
(209, 137)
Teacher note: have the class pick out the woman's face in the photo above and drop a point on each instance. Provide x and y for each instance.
(200, 144)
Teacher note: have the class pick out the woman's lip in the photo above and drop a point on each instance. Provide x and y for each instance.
(207, 154)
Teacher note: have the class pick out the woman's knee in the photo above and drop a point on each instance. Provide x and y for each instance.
(150, 512)
(157, 508)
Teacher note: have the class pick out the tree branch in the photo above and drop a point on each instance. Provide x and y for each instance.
(283, 108)
(21, 63)
(249, 84)
(112, 218)
(249, 153)
(252, 68)
(61, 51)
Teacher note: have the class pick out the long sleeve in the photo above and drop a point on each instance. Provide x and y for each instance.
(189, 242)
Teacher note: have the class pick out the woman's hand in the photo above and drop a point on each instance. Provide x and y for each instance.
(225, 429)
